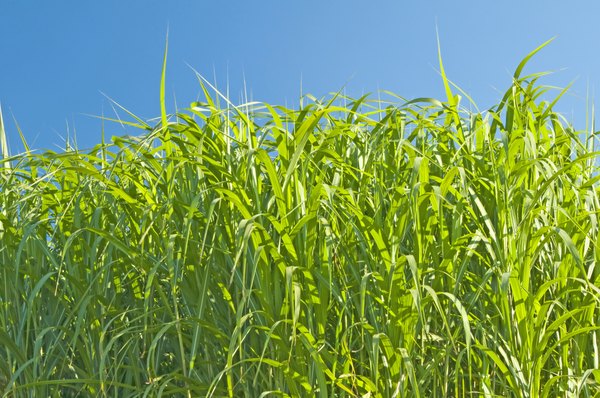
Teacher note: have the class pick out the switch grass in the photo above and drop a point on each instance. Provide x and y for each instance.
(351, 247)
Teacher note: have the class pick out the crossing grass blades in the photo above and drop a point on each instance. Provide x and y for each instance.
(351, 247)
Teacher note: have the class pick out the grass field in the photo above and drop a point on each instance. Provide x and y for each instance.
(351, 247)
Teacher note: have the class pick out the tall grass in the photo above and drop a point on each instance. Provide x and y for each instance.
(352, 247)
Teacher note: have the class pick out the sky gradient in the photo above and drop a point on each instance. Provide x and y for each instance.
(59, 60)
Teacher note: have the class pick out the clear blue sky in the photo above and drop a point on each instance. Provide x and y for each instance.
(57, 57)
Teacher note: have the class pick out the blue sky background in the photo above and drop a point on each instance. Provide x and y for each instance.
(57, 57)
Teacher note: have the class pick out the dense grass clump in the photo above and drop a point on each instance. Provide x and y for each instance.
(347, 248)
